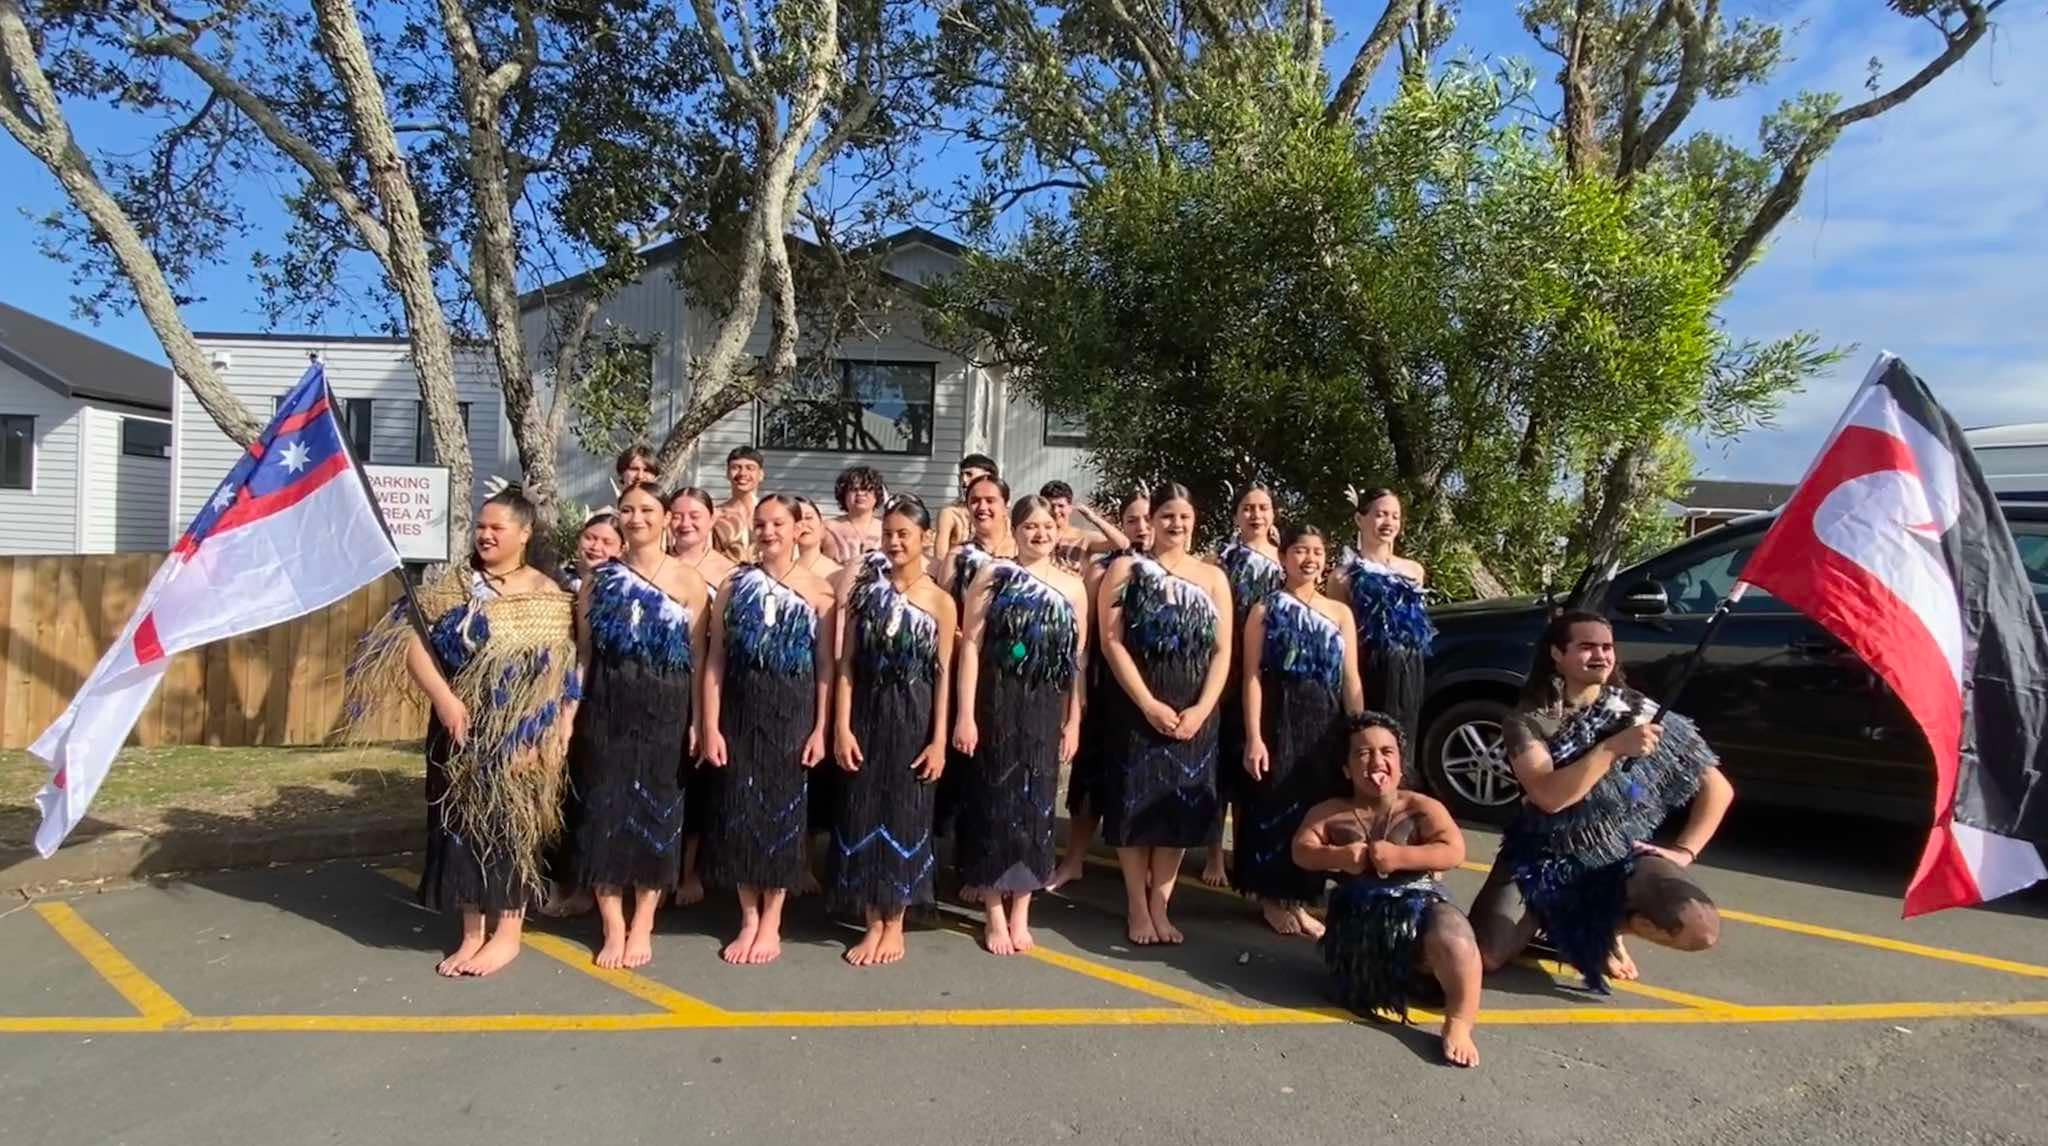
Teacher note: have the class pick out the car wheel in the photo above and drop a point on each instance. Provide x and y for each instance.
(1465, 764)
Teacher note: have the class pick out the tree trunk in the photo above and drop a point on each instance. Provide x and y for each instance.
(411, 263)
(40, 126)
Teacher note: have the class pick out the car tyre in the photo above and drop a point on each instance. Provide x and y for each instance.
(1464, 766)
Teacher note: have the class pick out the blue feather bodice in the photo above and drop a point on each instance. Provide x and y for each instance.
(1252, 576)
(892, 636)
(1387, 607)
(457, 634)
(631, 618)
(1031, 631)
(968, 562)
(1166, 618)
(769, 627)
(1301, 643)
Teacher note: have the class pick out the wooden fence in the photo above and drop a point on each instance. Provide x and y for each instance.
(277, 686)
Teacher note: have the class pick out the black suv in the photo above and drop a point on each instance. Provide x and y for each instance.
(1796, 717)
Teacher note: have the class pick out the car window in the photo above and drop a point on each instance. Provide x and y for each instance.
(1697, 587)
(2034, 556)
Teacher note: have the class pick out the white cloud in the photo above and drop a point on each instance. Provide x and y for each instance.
(1924, 233)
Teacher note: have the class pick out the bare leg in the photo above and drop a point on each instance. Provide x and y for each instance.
(1668, 909)
(691, 889)
(767, 946)
(1501, 923)
(973, 896)
(611, 908)
(1165, 871)
(1136, 864)
(1213, 872)
(995, 930)
(1620, 964)
(865, 952)
(750, 926)
(891, 948)
(1080, 837)
(1280, 916)
(473, 935)
(1020, 923)
(1450, 952)
(640, 936)
(499, 949)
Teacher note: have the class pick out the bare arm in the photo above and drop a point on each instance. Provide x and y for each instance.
(1354, 680)
(708, 704)
(842, 687)
(1708, 806)
(1253, 692)
(1111, 538)
(1218, 589)
(1109, 604)
(1553, 789)
(700, 653)
(968, 673)
(1438, 846)
(942, 687)
(822, 645)
(1313, 850)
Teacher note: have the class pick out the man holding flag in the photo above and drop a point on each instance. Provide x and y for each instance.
(290, 530)
(1894, 543)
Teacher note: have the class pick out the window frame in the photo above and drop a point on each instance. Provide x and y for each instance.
(1758, 601)
(129, 452)
(356, 432)
(28, 438)
(1053, 439)
(763, 408)
(422, 436)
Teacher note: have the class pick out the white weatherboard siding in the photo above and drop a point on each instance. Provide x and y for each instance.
(648, 312)
(262, 369)
(125, 499)
(1025, 458)
(897, 338)
(44, 517)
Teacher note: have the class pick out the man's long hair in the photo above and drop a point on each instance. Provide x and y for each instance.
(1543, 690)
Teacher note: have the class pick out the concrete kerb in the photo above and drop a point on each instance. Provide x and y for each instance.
(127, 855)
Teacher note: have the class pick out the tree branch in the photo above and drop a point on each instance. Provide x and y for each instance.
(1378, 42)
(1784, 194)
(1631, 110)
(721, 55)
(1581, 114)
(1696, 33)
(31, 111)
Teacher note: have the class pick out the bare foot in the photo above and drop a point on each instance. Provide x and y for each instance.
(1280, 916)
(736, 951)
(890, 950)
(612, 955)
(1459, 1049)
(972, 896)
(995, 937)
(639, 948)
(807, 882)
(1021, 939)
(1213, 872)
(564, 903)
(1069, 871)
(767, 948)
(1138, 923)
(452, 965)
(1161, 925)
(690, 891)
(865, 953)
(1620, 964)
(493, 955)
(1310, 925)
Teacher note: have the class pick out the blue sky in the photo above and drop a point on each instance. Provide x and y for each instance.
(1925, 232)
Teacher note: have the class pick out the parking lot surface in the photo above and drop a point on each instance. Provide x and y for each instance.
(300, 1005)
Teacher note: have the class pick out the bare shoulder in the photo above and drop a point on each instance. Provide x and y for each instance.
(1335, 806)
(1334, 609)
(1215, 579)
(1412, 570)
(1418, 804)
(531, 580)
(934, 600)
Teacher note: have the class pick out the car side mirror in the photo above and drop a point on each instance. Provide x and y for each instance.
(1643, 599)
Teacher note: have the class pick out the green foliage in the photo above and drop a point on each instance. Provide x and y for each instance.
(1426, 301)
(613, 394)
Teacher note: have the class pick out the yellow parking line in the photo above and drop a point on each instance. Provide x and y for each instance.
(1882, 943)
(1103, 972)
(141, 991)
(1557, 970)
(577, 957)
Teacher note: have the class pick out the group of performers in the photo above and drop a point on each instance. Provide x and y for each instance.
(743, 694)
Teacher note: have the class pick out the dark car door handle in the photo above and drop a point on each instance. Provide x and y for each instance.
(1816, 647)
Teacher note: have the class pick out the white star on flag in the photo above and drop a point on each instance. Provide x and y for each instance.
(223, 498)
(293, 459)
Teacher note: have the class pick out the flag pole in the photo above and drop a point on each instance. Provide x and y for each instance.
(412, 601)
(1692, 662)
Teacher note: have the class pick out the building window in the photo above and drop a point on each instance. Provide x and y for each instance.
(17, 451)
(423, 434)
(853, 407)
(354, 415)
(1062, 430)
(142, 438)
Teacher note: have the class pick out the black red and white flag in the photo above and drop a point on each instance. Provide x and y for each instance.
(1895, 544)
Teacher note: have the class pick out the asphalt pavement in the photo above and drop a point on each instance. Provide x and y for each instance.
(299, 1004)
